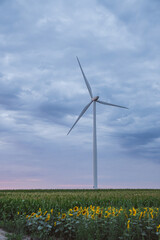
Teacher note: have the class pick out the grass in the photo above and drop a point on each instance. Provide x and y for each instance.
(15, 205)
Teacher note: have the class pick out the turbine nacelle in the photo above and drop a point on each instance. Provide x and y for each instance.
(95, 98)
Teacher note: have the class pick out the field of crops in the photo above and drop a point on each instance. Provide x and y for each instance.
(82, 214)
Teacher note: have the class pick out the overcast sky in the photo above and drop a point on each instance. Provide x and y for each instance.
(42, 92)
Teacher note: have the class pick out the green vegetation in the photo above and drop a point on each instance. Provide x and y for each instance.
(81, 214)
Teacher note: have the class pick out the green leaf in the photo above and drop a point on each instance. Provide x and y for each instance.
(40, 228)
(49, 226)
(144, 234)
(149, 228)
(58, 223)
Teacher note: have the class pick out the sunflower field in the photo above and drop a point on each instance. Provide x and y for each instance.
(82, 214)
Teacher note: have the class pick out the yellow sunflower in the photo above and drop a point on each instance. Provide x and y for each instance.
(63, 216)
(84, 212)
(78, 214)
(75, 208)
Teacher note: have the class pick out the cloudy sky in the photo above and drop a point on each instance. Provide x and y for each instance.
(42, 92)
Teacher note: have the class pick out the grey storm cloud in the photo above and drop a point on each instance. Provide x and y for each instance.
(143, 143)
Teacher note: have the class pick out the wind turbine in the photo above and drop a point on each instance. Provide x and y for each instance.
(94, 100)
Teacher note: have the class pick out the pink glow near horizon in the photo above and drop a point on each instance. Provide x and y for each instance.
(13, 185)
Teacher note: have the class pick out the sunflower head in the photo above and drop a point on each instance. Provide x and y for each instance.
(84, 212)
(63, 216)
(75, 208)
(78, 214)
(92, 216)
(52, 211)
(99, 215)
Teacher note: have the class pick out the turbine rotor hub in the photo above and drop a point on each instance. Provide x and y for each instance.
(95, 98)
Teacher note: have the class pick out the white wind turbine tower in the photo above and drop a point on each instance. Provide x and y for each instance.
(94, 100)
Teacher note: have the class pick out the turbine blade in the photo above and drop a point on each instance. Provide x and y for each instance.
(81, 114)
(85, 79)
(105, 103)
